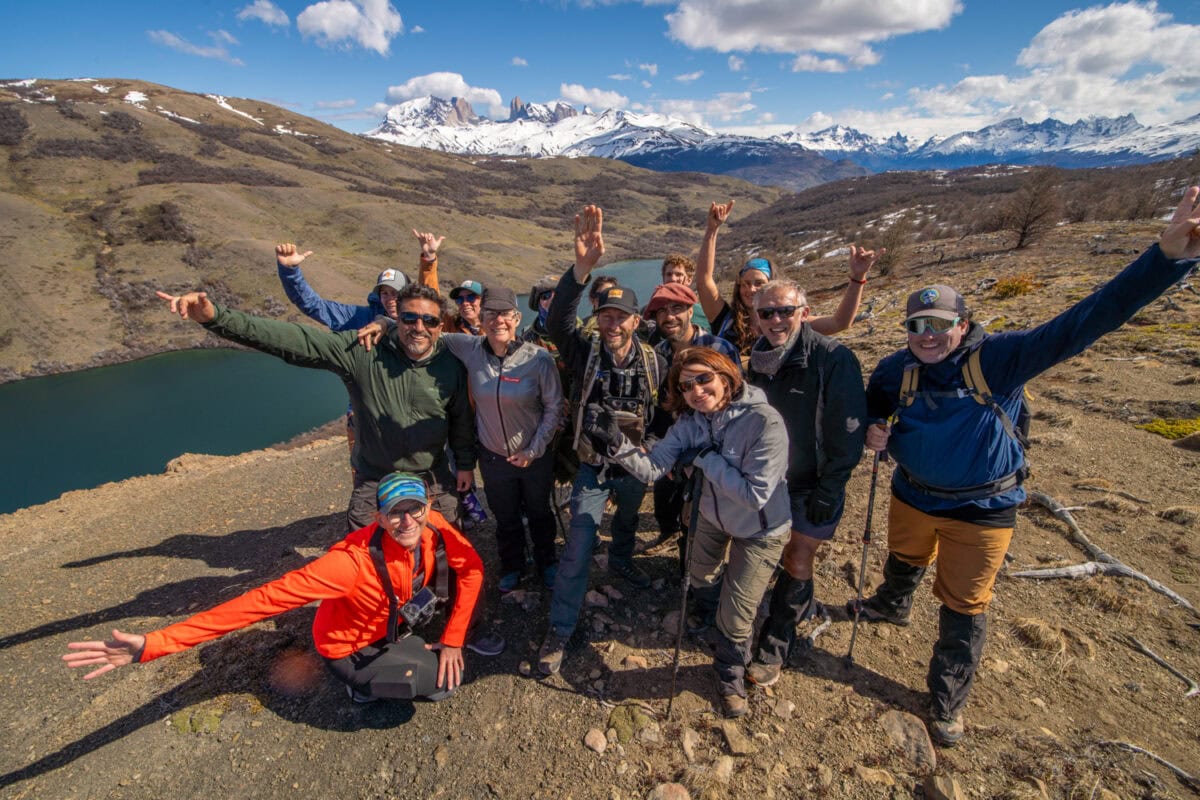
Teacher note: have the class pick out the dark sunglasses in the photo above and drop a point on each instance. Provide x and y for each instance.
(466, 297)
(544, 296)
(785, 312)
(933, 324)
(703, 379)
(411, 318)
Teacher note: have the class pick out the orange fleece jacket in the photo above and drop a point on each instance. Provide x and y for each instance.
(354, 608)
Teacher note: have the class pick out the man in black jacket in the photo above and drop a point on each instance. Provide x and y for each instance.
(816, 385)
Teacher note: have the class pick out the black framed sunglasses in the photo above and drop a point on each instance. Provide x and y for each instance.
(920, 325)
(784, 312)
(547, 295)
(411, 318)
(703, 379)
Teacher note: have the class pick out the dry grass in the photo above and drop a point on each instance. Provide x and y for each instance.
(1107, 596)
(1040, 635)
(1181, 515)
(1014, 286)
(1111, 502)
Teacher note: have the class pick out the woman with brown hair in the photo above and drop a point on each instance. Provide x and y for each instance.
(739, 443)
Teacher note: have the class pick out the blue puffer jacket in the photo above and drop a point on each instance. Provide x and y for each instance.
(961, 443)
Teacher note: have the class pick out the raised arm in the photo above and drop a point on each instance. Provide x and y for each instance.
(706, 284)
(861, 261)
(333, 315)
(428, 273)
(589, 241)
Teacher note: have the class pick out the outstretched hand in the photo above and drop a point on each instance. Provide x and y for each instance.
(370, 334)
(718, 213)
(287, 255)
(429, 244)
(862, 259)
(1181, 238)
(194, 306)
(589, 238)
(117, 652)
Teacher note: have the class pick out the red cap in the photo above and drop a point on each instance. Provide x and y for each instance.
(666, 294)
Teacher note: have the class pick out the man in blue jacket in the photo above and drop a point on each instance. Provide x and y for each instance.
(943, 408)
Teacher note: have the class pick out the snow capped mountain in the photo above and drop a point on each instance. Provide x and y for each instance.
(793, 160)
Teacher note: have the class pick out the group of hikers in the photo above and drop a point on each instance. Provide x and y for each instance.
(748, 434)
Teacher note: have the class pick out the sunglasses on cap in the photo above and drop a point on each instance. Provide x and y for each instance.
(411, 318)
(466, 297)
(703, 379)
(783, 312)
(546, 295)
(919, 325)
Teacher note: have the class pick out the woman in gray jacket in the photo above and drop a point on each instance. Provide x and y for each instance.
(739, 443)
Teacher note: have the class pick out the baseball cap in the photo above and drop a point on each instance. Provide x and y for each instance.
(501, 298)
(618, 297)
(938, 300)
(393, 278)
(545, 283)
(399, 486)
(666, 294)
(474, 287)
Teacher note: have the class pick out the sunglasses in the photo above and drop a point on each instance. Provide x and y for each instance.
(466, 297)
(416, 512)
(784, 312)
(544, 296)
(703, 379)
(931, 324)
(412, 317)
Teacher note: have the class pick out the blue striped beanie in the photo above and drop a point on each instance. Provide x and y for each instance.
(399, 486)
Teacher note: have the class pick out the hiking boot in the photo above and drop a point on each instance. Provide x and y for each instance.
(509, 581)
(871, 611)
(947, 732)
(487, 644)
(630, 572)
(734, 706)
(548, 576)
(764, 675)
(550, 655)
(360, 697)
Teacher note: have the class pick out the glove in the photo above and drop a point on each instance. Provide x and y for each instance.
(600, 426)
(689, 456)
(820, 507)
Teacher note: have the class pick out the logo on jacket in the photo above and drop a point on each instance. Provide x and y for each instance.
(929, 297)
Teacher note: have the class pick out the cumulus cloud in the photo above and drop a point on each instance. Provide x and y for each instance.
(736, 64)
(807, 62)
(349, 102)
(447, 85)
(724, 107)
(690, 76)
(519, 62)
(619, 77)
(416, 29)
(650, 69)
(843, 30)
(264, 11)
(578, 95)
(219, 50)
(371, 24)
(646, 84)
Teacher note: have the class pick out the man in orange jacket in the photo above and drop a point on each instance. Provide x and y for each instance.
(375, 587)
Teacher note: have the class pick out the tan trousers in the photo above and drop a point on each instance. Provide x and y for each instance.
(968, 556)
(743, 577)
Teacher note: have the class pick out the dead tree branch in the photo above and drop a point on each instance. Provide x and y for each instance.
(1087, 487)
(1193, 688)
(1188, 780)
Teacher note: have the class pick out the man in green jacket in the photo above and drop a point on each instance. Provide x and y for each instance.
(409, 394)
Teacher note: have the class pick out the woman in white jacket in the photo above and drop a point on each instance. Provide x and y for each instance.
(739, 443)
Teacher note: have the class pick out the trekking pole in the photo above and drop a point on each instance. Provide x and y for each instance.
(862, 567)
(697, 484)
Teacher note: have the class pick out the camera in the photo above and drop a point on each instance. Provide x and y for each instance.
(420, 608)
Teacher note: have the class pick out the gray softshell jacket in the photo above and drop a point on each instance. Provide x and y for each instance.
(745, 488)
(518, 399)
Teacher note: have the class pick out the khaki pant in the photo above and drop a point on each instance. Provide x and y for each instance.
(968, 555)
(746, 575)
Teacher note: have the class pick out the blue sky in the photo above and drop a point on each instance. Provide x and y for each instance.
(754, 66)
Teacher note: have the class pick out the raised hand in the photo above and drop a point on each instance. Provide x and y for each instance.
(589, 238)
(194, 306)
(862, 259)
(370, 334)
(1181, 238)
(117, 652)
(718, 213)
(429, 244)
(287, 255)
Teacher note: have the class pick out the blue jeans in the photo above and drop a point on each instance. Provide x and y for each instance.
(588, 497)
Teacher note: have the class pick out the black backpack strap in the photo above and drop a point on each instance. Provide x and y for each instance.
(376, 549)
(441, 567)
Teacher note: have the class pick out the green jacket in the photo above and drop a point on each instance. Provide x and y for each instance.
(405, 411)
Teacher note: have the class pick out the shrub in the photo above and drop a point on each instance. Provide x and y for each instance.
(1172, 428)
(181, 169)
(164, 223)
(121, 121)
(1014, 286)
(12, 124)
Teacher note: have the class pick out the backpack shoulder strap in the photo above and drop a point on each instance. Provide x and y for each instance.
(650, 366)
(441, 567)
(908, 385)
(376, 550)
(977, 385)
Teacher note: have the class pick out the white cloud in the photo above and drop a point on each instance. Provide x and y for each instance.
(766, 116)
(519, 62)
(724, 107)
(807, 62)
(620, 77)
(690, 76)
(736, 64)
(447, 85)
(218, 51)
(844, 29)
(372, 24)
(646, 84)
(264, 11)
(578, 95)
(650, 69)
(416, 29)
(349, 102)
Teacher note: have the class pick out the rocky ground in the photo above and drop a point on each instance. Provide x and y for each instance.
(253, 714)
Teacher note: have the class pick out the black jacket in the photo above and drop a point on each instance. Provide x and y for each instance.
(818, 391)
